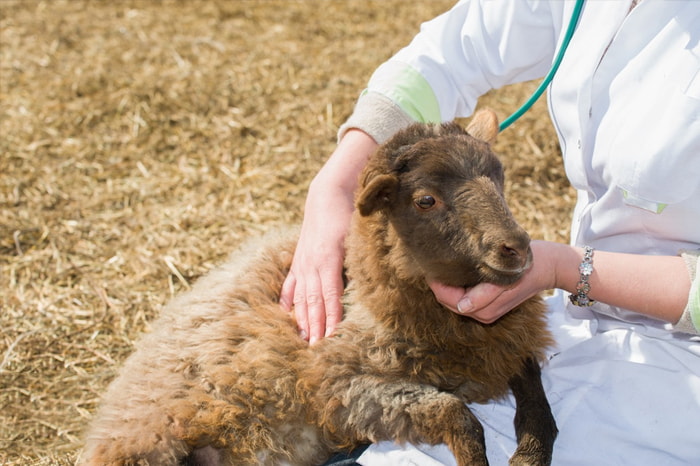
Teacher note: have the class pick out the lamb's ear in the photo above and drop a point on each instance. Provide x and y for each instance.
(484, 125)
(378, 193)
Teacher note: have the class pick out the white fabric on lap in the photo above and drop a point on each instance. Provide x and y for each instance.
(619, 396)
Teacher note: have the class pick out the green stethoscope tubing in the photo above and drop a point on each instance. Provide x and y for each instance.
(555, 66)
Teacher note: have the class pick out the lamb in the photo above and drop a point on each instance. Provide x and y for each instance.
(223, 378)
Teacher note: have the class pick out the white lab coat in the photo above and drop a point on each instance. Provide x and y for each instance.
(624, 389)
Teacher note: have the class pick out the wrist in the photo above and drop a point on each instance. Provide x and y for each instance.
(342, 169)
(331, 192)
(583, 287)
(566, 267)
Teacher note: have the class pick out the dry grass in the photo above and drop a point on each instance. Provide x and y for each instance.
(142, 140)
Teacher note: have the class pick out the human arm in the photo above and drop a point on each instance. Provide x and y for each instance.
(314, 284)
(656, 286)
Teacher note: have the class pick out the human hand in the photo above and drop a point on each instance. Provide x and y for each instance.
(314, 285)
(487, 302)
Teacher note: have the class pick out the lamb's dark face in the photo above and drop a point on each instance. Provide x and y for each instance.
(443, 197)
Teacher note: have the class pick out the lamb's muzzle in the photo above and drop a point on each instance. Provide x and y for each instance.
(511, 256)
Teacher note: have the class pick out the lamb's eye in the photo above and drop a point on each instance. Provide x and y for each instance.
(425, 202)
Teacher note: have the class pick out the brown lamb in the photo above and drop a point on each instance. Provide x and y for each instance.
(224, 378)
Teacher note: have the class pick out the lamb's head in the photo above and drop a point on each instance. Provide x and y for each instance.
(440, 188)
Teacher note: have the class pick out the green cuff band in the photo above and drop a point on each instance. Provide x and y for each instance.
(409, 90)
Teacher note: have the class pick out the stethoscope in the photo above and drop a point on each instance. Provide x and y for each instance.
(555, 66)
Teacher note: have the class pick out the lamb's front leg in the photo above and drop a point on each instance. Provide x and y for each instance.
(535, 427)
(374, 409)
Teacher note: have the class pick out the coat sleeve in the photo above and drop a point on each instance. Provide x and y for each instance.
(476, 46)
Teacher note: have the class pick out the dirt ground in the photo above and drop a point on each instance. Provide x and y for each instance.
(141, 141)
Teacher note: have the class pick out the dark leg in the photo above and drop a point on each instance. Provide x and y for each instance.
(535, 427)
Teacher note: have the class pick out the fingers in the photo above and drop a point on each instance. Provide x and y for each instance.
(333, 305)
(484, 302)
(316, 301)
(309, 310)
(448, 296)
(287, 293)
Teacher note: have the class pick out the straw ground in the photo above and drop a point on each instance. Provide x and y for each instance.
(141, 141)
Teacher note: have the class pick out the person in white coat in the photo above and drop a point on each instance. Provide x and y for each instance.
(624, 377)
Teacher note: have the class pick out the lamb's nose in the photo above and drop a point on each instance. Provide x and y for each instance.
(508, 251)
(514, 252)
